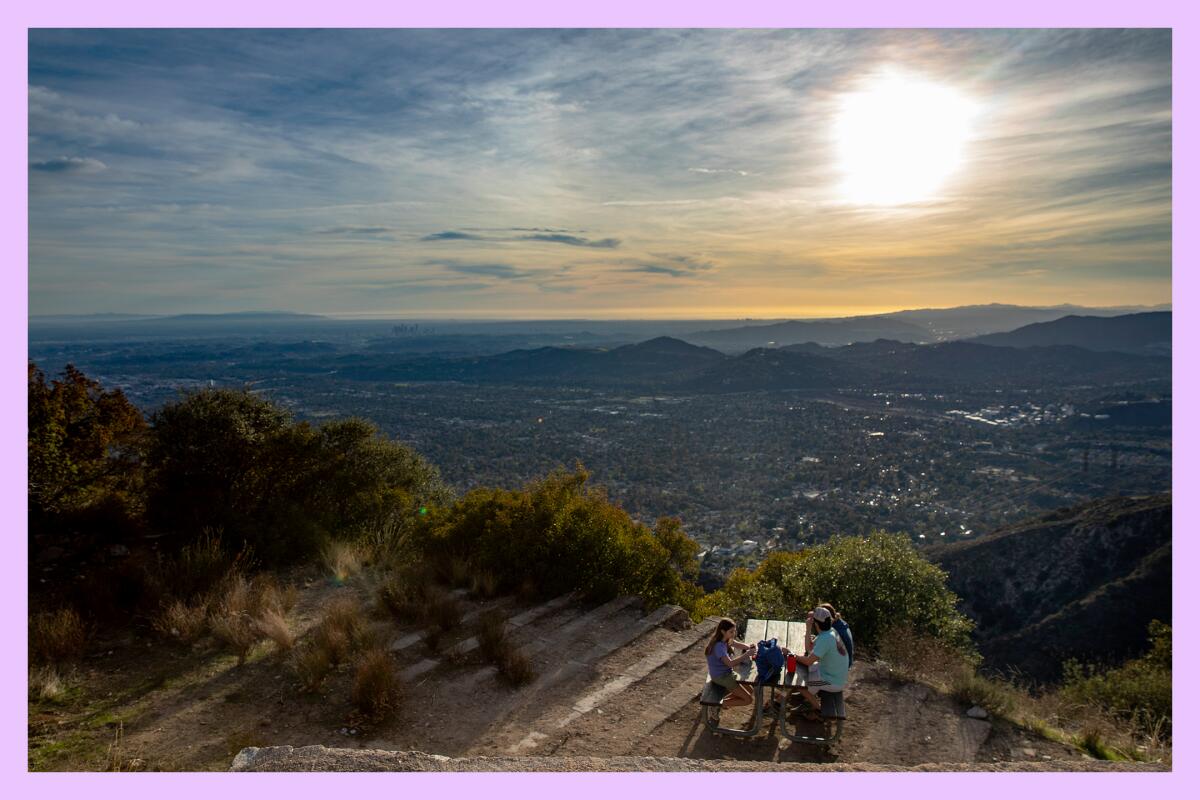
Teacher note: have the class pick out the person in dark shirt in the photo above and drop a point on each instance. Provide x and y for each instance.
(843, 630)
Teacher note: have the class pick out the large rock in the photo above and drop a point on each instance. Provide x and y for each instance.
(317, 758)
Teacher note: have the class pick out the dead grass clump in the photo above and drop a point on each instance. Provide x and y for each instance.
(445, 612)
(972, 689)
(274, 626)
(406, 596)
(376, 689)
(312, 664)
(527, 591)
(48, 685)
(341, 631)
(118, 758)
(515, 668)
(484, 584)
(432, 637)
(343, 559)
(57, 636)
(183, 622)
(236, 631)
(492, 635)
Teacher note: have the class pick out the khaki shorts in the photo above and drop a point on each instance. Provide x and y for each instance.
(728, 681)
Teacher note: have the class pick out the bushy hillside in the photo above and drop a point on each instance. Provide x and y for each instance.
(1080, 583)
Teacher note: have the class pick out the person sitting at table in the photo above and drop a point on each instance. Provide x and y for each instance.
(842, 630)
(720, 664)
(830, 655)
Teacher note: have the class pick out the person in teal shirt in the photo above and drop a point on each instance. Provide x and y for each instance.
(831, 657)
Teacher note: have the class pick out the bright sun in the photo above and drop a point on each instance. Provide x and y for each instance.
(899, 138)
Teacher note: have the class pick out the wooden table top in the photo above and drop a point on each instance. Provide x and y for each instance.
(787, 634)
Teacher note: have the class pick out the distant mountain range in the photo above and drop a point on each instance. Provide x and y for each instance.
(671, 364)
(919, 325)
(1133, 333)
(1081, 583)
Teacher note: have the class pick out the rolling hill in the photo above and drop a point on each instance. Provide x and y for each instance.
(1148, 333)
(1082, 583)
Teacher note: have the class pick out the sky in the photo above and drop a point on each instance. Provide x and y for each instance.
(596, 173)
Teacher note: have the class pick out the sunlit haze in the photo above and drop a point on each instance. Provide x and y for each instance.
(597, 174)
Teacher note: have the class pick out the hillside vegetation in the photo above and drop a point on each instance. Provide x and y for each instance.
(184, 524)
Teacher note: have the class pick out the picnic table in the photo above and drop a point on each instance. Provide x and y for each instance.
(788, 634)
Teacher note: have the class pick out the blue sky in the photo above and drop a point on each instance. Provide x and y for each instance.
(509, 173)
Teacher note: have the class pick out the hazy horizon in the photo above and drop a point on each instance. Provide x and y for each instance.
(597, 174)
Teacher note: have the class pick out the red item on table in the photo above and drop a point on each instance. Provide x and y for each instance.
(791, 662)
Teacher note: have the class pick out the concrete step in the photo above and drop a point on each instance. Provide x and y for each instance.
(428, 664)
(557, 634)
(409, 639)
(579, 668)
(635, 672)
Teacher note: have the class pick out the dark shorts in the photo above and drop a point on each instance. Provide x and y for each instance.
(728, 681)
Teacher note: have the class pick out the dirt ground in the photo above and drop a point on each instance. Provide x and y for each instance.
(140, 703)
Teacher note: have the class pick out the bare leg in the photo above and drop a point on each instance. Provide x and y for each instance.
(738, 697)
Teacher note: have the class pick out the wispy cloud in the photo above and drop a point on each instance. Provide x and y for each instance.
(553, 238)
(69, 164)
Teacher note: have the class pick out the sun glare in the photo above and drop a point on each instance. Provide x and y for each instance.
(899, 138)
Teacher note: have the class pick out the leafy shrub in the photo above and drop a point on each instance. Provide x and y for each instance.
(376, 689)
(232, 460)
(85, 445)
(875, 582)
(1138, 691)
(571, 536)
(57, 636)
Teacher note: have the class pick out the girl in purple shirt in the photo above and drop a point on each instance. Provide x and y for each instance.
(720, 665)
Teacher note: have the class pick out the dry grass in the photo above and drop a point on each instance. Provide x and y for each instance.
(406, 596)
(118, 759)
(272, 624)
(445, 612)
(312, 665)
(183, 622)
(57, 636)
(432, 637)
(492, 635)
(515, 668)
(342, 630)
(343, 559)
(376, 689)
(232, 618)
(47, 684)
(484, 584)
(1050, 714)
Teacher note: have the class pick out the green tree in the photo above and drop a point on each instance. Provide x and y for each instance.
(876, 583)
(230, 460)
(567, 536)
(85, 445)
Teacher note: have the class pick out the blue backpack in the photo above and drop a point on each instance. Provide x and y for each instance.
(769, 660)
